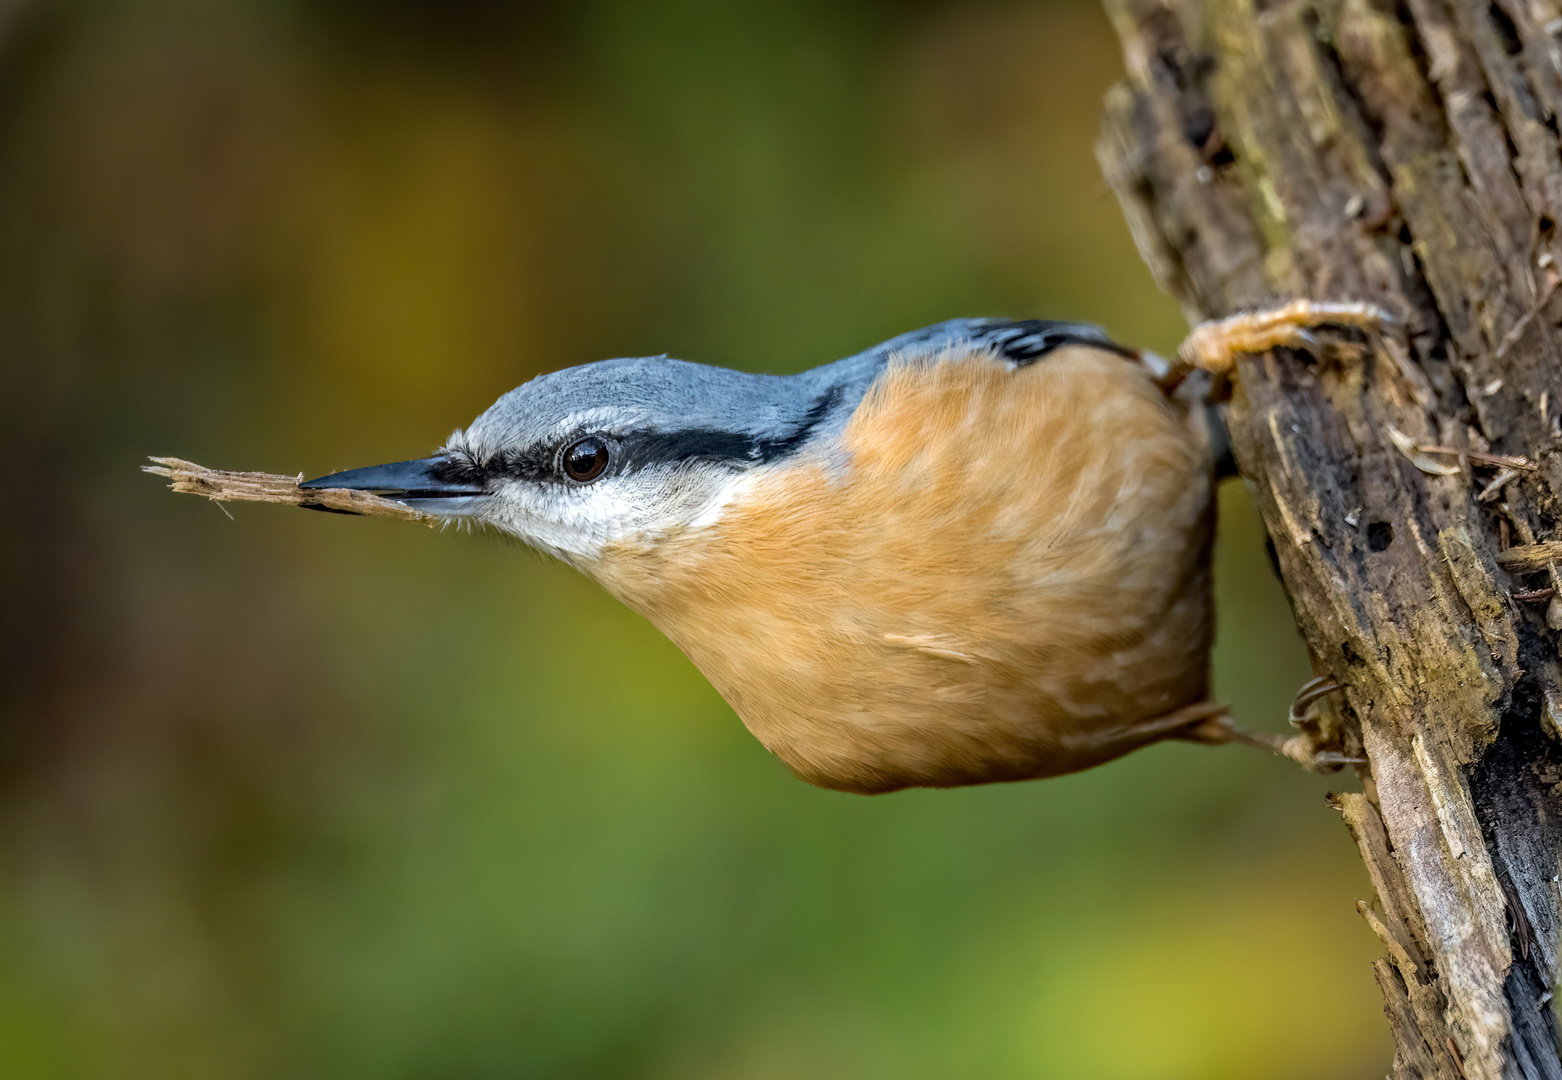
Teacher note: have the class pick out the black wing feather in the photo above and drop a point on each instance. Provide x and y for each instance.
(1024, 341)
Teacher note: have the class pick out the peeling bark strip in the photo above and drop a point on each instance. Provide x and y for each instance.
(1408, 155)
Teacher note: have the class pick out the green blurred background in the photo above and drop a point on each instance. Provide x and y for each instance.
(291, 795)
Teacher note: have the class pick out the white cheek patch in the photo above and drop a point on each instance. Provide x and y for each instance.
(571, 523)
(576, 523)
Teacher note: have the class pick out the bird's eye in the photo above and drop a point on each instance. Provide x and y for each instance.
(585, 460)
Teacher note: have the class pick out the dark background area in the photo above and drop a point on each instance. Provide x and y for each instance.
(287, 794)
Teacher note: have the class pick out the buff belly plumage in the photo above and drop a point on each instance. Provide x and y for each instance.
(1007, 576)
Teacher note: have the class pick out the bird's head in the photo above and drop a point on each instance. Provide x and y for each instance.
(632, 449)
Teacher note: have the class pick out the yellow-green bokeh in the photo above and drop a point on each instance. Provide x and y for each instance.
(297, 795)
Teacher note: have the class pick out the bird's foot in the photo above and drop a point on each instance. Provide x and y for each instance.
(1214, 346)
(1317, 746)
(1321, 740)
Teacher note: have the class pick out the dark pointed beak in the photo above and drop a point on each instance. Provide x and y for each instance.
(426, 484)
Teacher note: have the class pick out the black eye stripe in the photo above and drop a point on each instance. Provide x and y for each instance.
(734, 447)
(460, 466)
(636, 450)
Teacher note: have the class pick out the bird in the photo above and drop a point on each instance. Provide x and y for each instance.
(977, 552)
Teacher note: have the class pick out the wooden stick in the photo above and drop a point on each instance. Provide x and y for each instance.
(222, 486)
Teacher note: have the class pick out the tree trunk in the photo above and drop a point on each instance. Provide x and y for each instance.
(1408, 155)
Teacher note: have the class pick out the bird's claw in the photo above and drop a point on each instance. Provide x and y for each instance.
(1319, 745)
(1304, 704)
(1214, 346)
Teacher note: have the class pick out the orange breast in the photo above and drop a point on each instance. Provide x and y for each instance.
(1005, 576)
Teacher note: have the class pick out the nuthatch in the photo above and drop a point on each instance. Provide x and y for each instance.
(977, 552)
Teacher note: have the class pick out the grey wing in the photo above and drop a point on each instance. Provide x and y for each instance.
(1023, 341)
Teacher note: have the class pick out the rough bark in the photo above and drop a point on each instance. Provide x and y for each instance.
(1408, 155)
